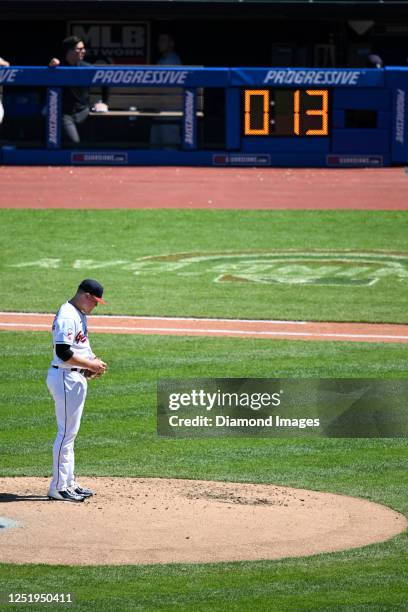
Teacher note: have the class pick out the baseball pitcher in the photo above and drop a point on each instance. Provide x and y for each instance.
(73, 364)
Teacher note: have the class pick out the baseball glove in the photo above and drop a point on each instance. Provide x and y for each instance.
(89, 375)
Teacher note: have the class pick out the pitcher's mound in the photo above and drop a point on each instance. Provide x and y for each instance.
(155, 520)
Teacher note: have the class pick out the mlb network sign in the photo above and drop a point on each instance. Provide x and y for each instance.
(114, 42)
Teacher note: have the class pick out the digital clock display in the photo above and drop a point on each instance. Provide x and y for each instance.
(286, 112)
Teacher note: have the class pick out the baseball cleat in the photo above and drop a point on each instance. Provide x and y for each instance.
(68, 495)
(84, 491)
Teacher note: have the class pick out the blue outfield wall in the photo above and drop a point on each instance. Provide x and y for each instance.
(272, 116)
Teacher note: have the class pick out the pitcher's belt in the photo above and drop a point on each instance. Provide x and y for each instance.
(80, 370)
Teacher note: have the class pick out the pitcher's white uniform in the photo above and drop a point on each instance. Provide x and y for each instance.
(68, 387)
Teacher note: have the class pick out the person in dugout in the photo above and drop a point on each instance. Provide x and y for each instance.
(163, 133)
(76, 100)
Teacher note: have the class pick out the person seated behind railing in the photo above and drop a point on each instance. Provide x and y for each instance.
(166, 47)
(162, 133)
(374, 61)
(75, 100)
(3, 64)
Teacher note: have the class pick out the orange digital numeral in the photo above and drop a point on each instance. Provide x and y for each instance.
(296, 112)
(264, 131)
(323, 112)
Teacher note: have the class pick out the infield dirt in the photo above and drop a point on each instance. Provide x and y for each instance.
(180, 326)
(151, 520)
(208, 188)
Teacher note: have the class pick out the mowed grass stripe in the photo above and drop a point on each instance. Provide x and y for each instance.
(118, 437)
(108, 243)
(118, 433)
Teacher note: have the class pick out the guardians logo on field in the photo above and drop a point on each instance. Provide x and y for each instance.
(288, 267)
(283, 267)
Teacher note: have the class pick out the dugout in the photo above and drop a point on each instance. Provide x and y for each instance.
(208, 33)
(213, 32)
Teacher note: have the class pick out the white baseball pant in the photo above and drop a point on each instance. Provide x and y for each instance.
(68, 388)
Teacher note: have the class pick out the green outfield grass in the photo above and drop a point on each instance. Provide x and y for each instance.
(118, 437)
(112, 243)
(118, 433)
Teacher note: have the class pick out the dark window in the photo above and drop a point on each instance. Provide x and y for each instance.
(361, 118)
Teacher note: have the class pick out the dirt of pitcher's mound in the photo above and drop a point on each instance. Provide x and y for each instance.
(158, 520)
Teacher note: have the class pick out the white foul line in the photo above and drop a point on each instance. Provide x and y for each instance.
(219, 331)
(149, 317)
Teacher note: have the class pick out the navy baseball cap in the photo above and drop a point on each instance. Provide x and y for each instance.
(89, 285)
